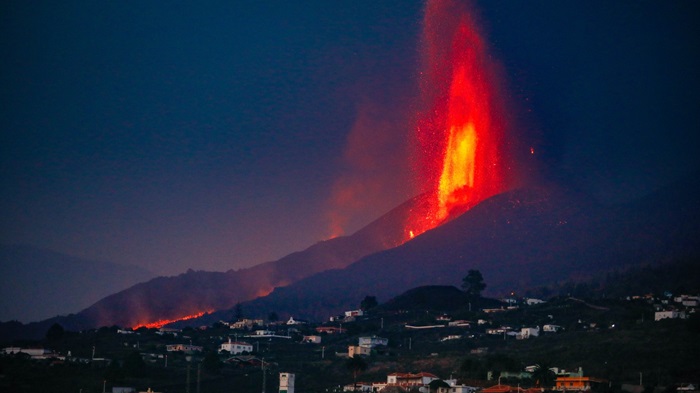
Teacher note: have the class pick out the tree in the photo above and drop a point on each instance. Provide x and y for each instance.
(55, 332)
(238, 312)
(356, 365)
(436, 384)
(368, 302)
(543, 376)
(473, 283)
(273, 317)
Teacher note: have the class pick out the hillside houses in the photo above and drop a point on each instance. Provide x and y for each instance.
(678, 307)
(183, 348)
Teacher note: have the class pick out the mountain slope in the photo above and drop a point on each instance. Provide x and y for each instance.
(29, 276)
(520, 239)
(193, 292)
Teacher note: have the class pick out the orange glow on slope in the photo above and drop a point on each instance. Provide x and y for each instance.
(162, 322)
(461, 130)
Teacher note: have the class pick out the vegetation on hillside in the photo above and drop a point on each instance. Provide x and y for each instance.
(608, 330)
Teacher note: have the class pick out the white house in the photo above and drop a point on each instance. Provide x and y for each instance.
(659, 315)
(527, 332)
(236, 347)
(359, 387)
(293, 321)
(532, 301)
(551, 328)
(286, 383)
(409, 380)
(183, 348)
(35, 353)
(455, 388)
(354, 313)
(312, 339)
(355, 350)
(246, 324)
(498, 330)
(372, 341)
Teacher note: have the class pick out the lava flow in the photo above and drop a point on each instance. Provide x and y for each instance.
(461, 130)
(162, 322)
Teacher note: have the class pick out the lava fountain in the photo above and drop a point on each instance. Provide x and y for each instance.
(460, 131)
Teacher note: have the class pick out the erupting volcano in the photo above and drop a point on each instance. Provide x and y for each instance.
(460, 131)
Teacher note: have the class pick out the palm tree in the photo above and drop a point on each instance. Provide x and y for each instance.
(543, 376)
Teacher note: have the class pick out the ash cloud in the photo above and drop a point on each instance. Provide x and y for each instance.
(375, 174)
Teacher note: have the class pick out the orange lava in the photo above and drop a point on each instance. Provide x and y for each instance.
(461, 131)
(162, 322)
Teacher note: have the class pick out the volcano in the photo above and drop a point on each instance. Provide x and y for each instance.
(519, 240)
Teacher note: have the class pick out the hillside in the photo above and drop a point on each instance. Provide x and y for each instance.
(521, 239)
(193, 292)
(613, 338)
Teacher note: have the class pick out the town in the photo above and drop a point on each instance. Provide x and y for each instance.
(413, 343)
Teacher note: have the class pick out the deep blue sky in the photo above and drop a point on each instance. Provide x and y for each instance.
(213, 135)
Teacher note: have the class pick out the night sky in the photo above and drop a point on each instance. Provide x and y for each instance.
(219, 135)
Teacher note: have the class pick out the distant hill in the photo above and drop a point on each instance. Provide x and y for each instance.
(37, 284)
(518, 240)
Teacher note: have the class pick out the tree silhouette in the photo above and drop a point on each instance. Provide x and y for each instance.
(273, 317)
(55, 332)
(473, 283)
(544, 377)
(368, 302)
(356, 365)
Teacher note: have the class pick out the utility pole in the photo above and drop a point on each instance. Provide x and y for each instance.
(199, 376)
(262, 364)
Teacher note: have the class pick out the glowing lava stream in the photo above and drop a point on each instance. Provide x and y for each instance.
(461, 131)
(162, 322)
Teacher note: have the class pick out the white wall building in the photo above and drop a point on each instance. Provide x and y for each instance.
(527, 332)
(454, 388)
(236, 347)
(183, 348)
(551, 328)
(354, 350)
(372, 341)
(659, 315)
(354, 313)
(312, 339)
(286, 383)
(532, 301)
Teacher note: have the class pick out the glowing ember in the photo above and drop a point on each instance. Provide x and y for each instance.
(461, 130)
(162, 322)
